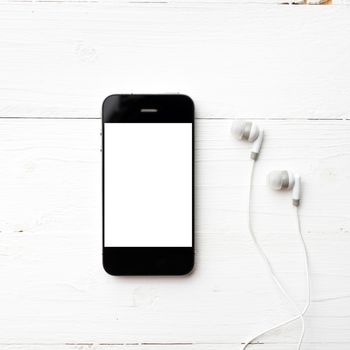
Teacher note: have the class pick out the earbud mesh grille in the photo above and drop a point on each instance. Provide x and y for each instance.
(246, 130)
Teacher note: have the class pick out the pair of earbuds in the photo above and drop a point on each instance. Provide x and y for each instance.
(278, 179)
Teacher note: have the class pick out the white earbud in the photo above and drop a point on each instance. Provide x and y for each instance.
(249, 131)
(283, 179)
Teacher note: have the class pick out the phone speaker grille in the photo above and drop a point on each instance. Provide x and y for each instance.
(149, 110)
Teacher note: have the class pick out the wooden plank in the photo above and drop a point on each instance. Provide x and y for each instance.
(266, 346)
(61, 59)
(193, 2)
(54, 290)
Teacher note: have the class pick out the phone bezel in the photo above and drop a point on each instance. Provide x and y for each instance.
(126, 261)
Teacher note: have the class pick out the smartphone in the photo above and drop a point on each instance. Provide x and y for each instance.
(148, 184)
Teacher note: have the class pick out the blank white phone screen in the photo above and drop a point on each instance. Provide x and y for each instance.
(148, 184)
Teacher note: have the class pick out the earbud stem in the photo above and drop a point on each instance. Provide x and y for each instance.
(296, 190)
(257, 145)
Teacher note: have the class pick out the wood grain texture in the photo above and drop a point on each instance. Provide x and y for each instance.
(288, 67)
(51, 212)
(169, 346)
(153, 3)
(61, 59)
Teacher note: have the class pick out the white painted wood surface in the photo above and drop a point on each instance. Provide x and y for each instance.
(286, 66)
(245, 61)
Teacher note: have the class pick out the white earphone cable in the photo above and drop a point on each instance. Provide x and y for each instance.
(274, 276)
(307, 273)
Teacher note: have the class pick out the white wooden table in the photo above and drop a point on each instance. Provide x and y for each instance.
(287, 67)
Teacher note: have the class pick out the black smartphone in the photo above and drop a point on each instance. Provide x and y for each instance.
(148, 184)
